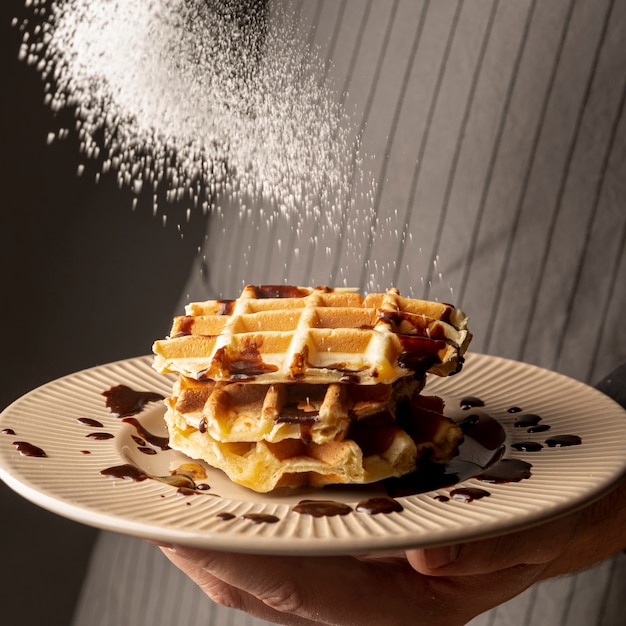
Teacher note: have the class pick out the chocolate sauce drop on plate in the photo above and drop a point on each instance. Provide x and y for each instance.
(541, 428)
(506, 471)
(156, 441)
(373, 506)
(468, 494)
(470, 402)
(322, 508)
(469, 422)
(123, 401)
(28, 449)
(100, 436)
(260, 518)
(183, 483)
(125, 471)
(483, 445)
(88, 421)
(527, 420)
(563, 441)
(225, 516)
(484, 430)
(430, 478)
(527, 446)
(180, 481)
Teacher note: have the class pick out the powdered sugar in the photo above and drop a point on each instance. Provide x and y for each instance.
(200, 100)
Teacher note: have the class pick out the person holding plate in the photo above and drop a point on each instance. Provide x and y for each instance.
(488, 141)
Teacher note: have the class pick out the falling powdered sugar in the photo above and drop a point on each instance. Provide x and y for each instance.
(195, 99)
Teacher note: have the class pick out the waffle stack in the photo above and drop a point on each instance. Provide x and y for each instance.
(292, 386)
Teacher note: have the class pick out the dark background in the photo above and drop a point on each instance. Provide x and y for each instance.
(85, 280)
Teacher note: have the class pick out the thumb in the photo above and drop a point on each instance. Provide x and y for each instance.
(533, 546)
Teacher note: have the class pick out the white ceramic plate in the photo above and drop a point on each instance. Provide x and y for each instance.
(68, 481)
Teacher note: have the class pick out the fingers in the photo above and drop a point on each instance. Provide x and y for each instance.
(228, 595)
(533, 546)
(319, 590)
(346, 591)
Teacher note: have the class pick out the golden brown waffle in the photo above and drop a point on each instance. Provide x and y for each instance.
(318, 336)
(370, 452)
(245, 412)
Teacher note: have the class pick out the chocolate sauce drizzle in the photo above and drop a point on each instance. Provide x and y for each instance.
(127, 471)
(88, 421)
(123, 401)
(563, 441)
(260, 518)
(246, 366)
(486, 432)
(278, 291)
(160, 443)
(226, 516)
(374, 506)
(540, 428)
(184, 484)
(28, 449)
(527, 420)
(321, 508)
(505, 471)
(100, 436)
(527, 446)
(471, 402)
(469, 494)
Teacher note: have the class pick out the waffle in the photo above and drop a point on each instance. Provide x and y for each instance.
(244, 412)
(277, 334)
(291, 386)
(370, 451)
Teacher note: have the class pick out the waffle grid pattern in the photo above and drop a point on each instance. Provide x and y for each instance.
(314, 335)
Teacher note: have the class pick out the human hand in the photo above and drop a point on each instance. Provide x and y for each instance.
(366, 590)
(445, 585)
(344, 590)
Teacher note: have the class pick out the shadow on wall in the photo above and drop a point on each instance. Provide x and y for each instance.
(85, 280)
